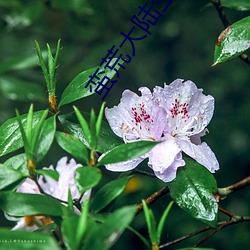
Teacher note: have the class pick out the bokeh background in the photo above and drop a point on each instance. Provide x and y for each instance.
(180, 46)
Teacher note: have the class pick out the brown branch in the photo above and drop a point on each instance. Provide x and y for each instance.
(152, 198)
(235, 220)
(226, 23)
(144, 173)
(223, 192)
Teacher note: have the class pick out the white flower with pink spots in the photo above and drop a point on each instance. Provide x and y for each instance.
(177, 115)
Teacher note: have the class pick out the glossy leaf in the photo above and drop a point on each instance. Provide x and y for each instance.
(10, 136)
(105, 235)
(107, 139)
(73, 146)
(9, 176)
(233, 41)
(19, 90)
(16, 240)
(76, 88)
(18, 162)
(87, 177)
(20, 204)
(53, 174)
(108, 193)
(241, 5)
(193, 191)
(127, 152)
(46, 137)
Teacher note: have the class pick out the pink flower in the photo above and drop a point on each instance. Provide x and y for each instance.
(58, 189)
(177, 115)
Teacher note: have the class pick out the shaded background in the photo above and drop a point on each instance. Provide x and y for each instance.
(180, 46)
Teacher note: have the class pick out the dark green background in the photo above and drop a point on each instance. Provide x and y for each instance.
(181, 46)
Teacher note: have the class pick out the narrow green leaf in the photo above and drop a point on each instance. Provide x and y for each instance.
(143, 239)
(28, 126)
(107, 138)
(233, 41)
(82, 223)
(16, 240)
(87, 177)
(241, 5)
(20, 204)
(46, 137)
(150, 220)
(84, 125)
(76, 88)
(162, 222)
(10, 136)
(92, 127)
(99, 120)
(9, 176)
(109, 232)
(37, 131)
(42, 63)
(18, 162)
(127, 152)
(193, 191)
(108, 193)
(73, 146)
(19, 90)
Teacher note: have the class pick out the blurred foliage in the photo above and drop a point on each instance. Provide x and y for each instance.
(181, 46)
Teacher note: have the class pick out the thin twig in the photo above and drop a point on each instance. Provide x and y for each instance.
(235, 220)
(144, 173)
(226, 23)
(223, 192)
(152, 198)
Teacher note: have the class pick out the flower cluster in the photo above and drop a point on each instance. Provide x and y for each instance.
(58, 189)
(177, 115)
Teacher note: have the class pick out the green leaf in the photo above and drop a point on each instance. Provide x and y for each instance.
(46, 138)
(151, 223)
(19, 90)
(241, 5)
(162, 221)
(53, 174)
(195, 248)
(20, 204)
(108, 193)
(92, 127)
(87, 177)
(193, 191)
(233, 41)
(16, 240)
(19, 63)
(18, 162)
(105, 235)
(73, 146)
(9, 176)
(127, 152)
(10, 136)
(107, 139)
(99, 121)
(76, 89)
(84, 125)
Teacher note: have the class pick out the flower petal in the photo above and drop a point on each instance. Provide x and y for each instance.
(137, 117)
(29, 187)
(125, 166)
(201, 153)
(189, 110)
(165, 158)
(21, 225)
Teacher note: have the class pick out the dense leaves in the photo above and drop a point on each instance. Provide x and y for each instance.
(193, 191)
(16, 240)
(233, 41)
(242, 5)
(10, 136)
